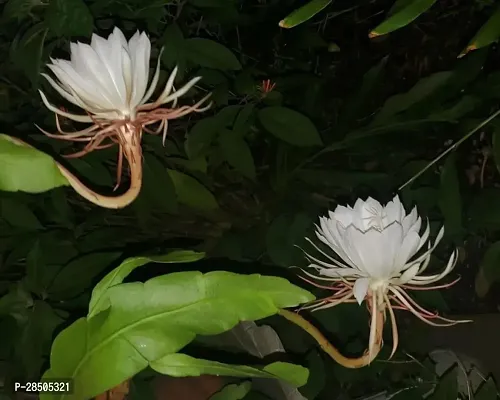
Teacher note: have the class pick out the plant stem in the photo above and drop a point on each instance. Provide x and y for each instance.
(451, 148)
(133, 155)
(329, 349)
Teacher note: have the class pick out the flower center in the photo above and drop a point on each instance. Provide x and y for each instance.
(376, 219)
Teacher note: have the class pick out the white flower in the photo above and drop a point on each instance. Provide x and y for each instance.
(108, 80)
(377, 251)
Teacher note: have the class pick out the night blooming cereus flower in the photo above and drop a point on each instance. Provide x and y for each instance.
(380, 253)
(108, 80)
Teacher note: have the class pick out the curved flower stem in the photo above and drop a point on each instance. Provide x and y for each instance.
(133, 154)
(329, 349)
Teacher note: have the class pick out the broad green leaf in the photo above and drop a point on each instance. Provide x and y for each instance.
(488, 34)
(99, 300)
(401, 18)
(26, 169)
(283, 235)
(233, 391)
(173, 48)
(19, 215)
(201, 136)
(198, 164)
(69, 18)
(290, 126)
(148, 321)
(464, 105)
(317, 375)
(487, 391)
(18, 9)
(183, 365)
(93, 170)
(450, 199)
(244, 120)
(158, 188)
(484, 210)
(489, 270)
(304, 13)
(207, 53)
(34, 268)
(356, 103)
(36, 338)
(26, 52)
(237, 153)
(16, 303)
(78, 274)
(420, 92)
(191, 192)
(447, 386)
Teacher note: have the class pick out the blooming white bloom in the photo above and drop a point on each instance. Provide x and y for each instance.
(377, 249)
(108, 80)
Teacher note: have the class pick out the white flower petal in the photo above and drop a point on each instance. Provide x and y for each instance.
(343, 215)
(377, 249)
(410, 221)
(408, 275)
(393, 211)
(106, 54)
(407, 250)
(140, 51)
(360, 289)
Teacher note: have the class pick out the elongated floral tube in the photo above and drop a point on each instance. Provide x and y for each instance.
(133, 155)
(108, 81)
(353, 363)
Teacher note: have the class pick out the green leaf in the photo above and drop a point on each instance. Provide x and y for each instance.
(26, 169)
(158, 187)
(182, 365)
(244, 120)
(99, 300)
(487, 391)
(34, 268)
(19, 215)
(237, 153)
(488, 34)
(284, 233)
(78, 274)
(489, 270)
(304, 13)
(450, 199)
(26, 52)
(484, 210)
(148, 321)
(36, 337)
(356, 103)
(420, 92)
(18, 9)
(201, 136)
(69, 18)
(233, 391)
(207, 53)
(16, 303)
(192, 193)
(173, 48)
(402, 17)
(290, 126)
